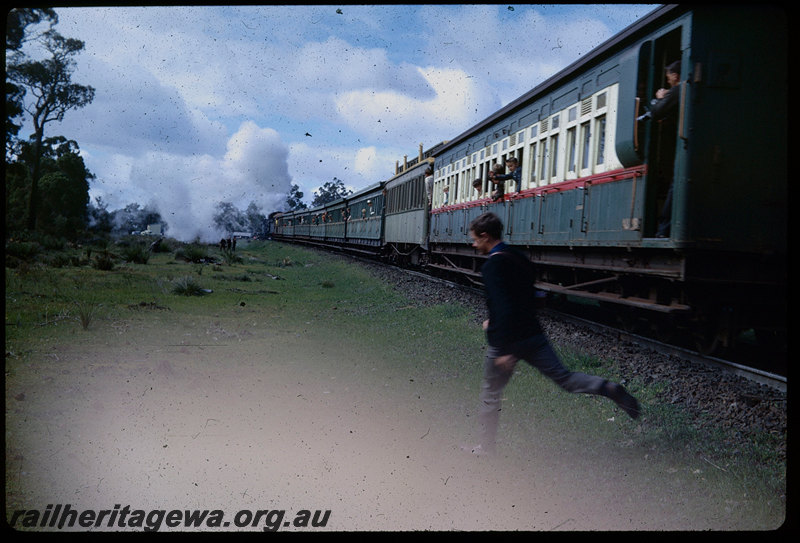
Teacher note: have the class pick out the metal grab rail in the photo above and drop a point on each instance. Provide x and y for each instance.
(636, 125)
(681, 111)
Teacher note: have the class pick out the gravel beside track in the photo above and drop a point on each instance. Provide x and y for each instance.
(714, 398)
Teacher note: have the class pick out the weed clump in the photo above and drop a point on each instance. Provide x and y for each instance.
(86, 311)
(187, 286)
(58, 261)
(193, 253)
(137, 253)
(20, 251)
(103, 261)
(230, 257)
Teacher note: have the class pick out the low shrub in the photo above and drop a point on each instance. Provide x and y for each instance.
(59, 260)
(187, 286)
(23, 250)
(136, 253)
(193, 253)
(86, 312)
(103, 261)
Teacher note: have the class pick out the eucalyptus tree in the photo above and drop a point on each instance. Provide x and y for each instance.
(19, 22)
(330, 191)
(49, 94)
(294, 200)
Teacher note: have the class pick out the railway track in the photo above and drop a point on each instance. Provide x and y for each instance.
(755, 374)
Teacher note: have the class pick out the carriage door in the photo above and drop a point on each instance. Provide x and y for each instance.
(640, 139)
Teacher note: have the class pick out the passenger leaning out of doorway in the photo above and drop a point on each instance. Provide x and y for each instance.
(666, 101)
(665, 109)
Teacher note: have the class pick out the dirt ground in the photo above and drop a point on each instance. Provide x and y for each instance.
(199, 417)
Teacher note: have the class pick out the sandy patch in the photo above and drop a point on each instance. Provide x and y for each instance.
(183, 419)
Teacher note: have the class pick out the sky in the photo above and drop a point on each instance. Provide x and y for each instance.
(199, 105)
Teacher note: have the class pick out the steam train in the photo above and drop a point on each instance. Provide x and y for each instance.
(597, 174)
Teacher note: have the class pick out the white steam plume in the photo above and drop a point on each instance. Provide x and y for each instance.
(186, 189)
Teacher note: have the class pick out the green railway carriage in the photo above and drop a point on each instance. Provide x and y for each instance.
(365, 219)
(408, 211)
(597, 172)
(301, 224)
(316, 224)
(334, 220)
(284, 225)
(277, 226)
(353, 223)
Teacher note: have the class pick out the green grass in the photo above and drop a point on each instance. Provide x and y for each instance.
(440, 347)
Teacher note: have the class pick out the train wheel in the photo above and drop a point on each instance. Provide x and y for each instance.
(664, 328)
(711, 338)
(711, 330)
(706, 344)
(629, 319)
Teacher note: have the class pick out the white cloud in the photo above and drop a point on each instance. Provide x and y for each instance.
(389, 116)
(134, 111)
(357, 168)
(369, 165)
(512, 50)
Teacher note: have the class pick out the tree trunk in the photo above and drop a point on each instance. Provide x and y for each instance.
(33, 202)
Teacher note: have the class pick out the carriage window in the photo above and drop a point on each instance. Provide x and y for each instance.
(532, 154)
(585, 145)
(601, 139)
(572, 114)
(554, 155)
(521, 161)
(534, 130)
(601, 100)
(554, 123)
(571, 150)
(543, 160)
